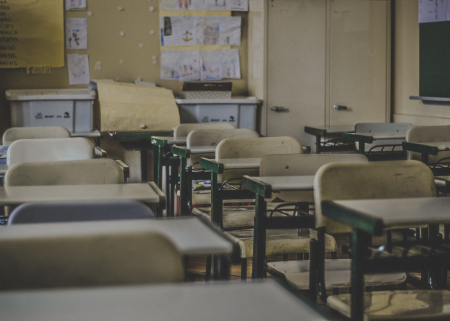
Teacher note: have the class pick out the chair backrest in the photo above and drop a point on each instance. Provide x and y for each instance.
(183, 130)
(299, 165)
(257, 147)
(382, 128)
(372, 180)
(16, 133)
(303, 164)
(78, 172)
(80, 254)
(212, 137)
(420, 134)
(253, 148)
(50, 149)
(79, 211)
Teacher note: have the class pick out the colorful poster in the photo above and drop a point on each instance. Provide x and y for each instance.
(200, 30)
(229, 5)
(76, 33)
(200, 65)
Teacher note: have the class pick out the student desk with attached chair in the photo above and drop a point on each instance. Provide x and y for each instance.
(371, 217)
(380, 141)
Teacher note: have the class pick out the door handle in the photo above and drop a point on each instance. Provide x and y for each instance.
(340, 107)
(278, 108)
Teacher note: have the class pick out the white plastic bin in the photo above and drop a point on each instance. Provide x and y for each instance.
(70, 108)
(241, 112)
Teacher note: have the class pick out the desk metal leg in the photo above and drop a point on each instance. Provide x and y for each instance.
(173, 182)
(259, 240)
(157, 165)
(184, 188)
(360, 242)
(168, 192)
(222, 266)
(216, 201)
(318, 146)
(144, 175)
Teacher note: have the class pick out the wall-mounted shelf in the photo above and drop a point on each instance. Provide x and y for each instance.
(432, 100)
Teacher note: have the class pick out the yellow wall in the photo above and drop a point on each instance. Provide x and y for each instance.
(105, 45)
(406, 82)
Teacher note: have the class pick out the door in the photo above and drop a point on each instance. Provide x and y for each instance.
(296, 66)
(323, 53)
(358, 61)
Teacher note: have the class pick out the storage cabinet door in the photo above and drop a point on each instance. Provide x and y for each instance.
(323, 53)
(358, 60)
(296, 66)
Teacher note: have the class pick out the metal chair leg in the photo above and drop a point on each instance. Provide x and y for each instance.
(243, 269)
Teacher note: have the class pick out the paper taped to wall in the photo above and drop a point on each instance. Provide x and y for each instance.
(200, 65)
(232, 5)
(200, 30)
(76, 33)
(75, 4)
(78, 66)
(126, 107)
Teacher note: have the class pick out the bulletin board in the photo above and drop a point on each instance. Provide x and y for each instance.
(31, 34)
(434, 77)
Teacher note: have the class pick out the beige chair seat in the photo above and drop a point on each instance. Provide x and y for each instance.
(337, 275)
(398, 305)
(234, 217)
(279, 241)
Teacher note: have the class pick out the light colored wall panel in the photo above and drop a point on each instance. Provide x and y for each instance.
(257, 35)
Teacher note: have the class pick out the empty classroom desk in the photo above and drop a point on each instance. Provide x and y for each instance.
(371, 217)
(263, 187)
(324, 142)
(380, 141)
(140, 141)
(218, 194)
(161, 145)
(183, 154)
(201, 143)
(232, 301)
(147, 193)
(426, 149)
(190, 235)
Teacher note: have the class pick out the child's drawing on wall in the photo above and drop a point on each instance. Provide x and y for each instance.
(183, 2)
(211, 34)
(220, 3)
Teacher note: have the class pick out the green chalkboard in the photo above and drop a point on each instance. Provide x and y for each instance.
(434, 78)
